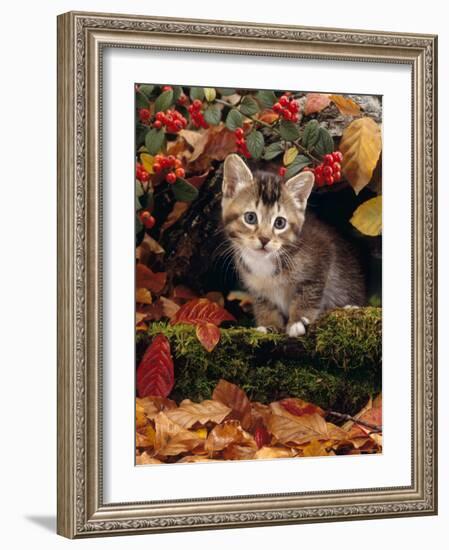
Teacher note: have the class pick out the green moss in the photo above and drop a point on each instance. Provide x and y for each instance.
(336, 365)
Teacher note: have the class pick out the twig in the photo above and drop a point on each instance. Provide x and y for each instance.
(342, 416)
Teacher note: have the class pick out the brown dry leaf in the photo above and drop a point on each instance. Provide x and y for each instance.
(141, 418)
(169, 308)
(143, 296)
(216, 297)
(146, 278)
(234, 397)
(179, 208)
(291, 430)
(317, 448)
(296, 407)
(275, 452)
(149, 312)
(231, 440)
(346, 105)
(196, 458)
(147, 248)
(182, 292)
(268, 116)
(152, 405)
(215, 143)
(171, 439)
(146, 458)
(189, 413)
(361, 144)
(315, 103)
(145, 436)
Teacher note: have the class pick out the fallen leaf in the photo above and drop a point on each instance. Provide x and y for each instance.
(345, 105)
(179, 208)
(368, 217)
(143, 296)
(315, 103)
(231, 440)
(268, 116)
(195, 458)
(216, 297)
(361, 144)
(155, 373)
(262, 436)
(291, 430)
(169, 308)
(317, 448)
(189, 413)
(172, 439)
(208, 334)
(148, 247)
(149, 312)
(146, 458)
(146, 278)
(145, 436)
(141, 418)
(184, 293)
(235, 398)
(201, 309)
(152, 405)
(275, 452)
(298, 407)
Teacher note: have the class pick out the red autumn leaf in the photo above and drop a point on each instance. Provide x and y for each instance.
(268, 116)
(208, 334)
(145, 278)
(199, 310)
(262, 436)
(155, 373)
(316, 103)
(298, 407)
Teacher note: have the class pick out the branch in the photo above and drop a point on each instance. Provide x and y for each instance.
(342, 416)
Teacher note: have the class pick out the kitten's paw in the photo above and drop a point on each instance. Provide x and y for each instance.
(305, 321)
(296, 329)
(262, 329)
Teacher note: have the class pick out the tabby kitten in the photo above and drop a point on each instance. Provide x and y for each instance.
(294, 266)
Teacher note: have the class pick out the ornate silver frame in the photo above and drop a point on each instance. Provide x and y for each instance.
(81, 38)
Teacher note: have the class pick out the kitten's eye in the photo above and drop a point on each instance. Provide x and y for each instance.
(250, 217)
(280, 222)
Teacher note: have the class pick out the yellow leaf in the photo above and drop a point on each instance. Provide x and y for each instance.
(290, 155)
(368, 217)
(202, 433)
(143, 296)
(209, 94)
(147, 161)
(346, 105)
(361, 145)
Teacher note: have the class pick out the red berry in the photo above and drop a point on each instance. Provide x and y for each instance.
(144, 176)
(294, 106)
(327, 171)
(182, 99)
(157, 167)
(147, 219)
(167, 88)
(284, 101)
(160, 116)
(180, 172)
(319, 179)
(337, 156)
(294, 117)
(319, 169)
(336, 167)
(282, 171)
(239, 132)
(337, 176)
(329, 180)
(277, 107)
(328, 159)
(287, 114)
(157, 124)
(170, 177)
(197, 104)
(144, 114)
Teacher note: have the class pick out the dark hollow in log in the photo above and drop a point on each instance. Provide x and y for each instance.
(337, 365)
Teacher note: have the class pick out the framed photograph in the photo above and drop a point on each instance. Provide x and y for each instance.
(246, 274)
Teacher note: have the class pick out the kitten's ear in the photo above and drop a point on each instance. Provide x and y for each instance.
(300, 187)
(236, 175)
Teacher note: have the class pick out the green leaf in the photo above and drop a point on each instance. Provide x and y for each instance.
(273, 150)
(368, 217)
(249, 106)
(325, 143)
(210, 94)
(212, 115)
(197, 93)
(146, 89)
(139, 225)
(141, 132)
(177, 91)
(154, 141)
(289, 130)
(164, 101)
(255, 143)
(266, 98)
(311, 134)
(226, 91)
(296, 166)
(184, 191)
(142, 102)
(234, 120)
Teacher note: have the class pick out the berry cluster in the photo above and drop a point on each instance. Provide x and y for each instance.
(241, 143)
(171, 165)
(197, 115)
(287, 108)
(329, 171)
(144, 115)
(171, 119)
(141, 174)
(147, 219)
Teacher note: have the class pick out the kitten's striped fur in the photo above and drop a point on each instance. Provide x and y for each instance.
(294, 273)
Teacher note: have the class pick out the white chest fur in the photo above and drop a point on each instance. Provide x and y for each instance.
(261, 281)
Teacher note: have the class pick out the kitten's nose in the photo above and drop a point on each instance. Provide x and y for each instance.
(264, 241)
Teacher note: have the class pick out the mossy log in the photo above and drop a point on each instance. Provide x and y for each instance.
(336, 365)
